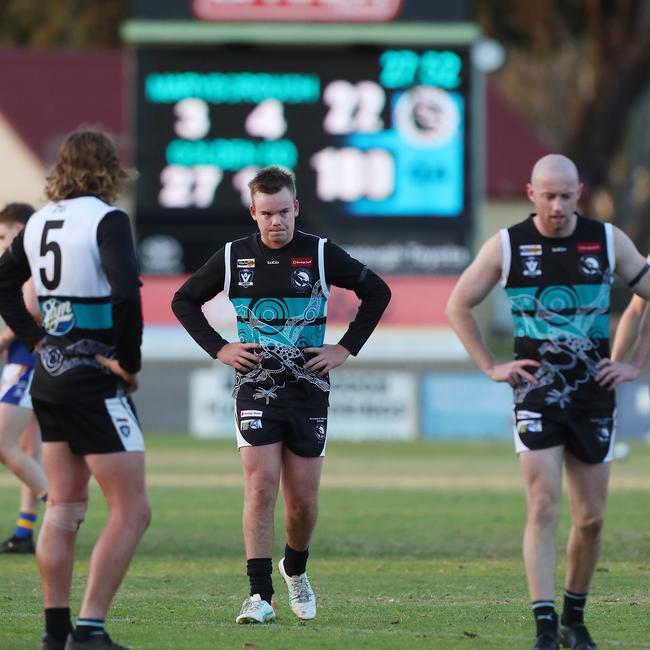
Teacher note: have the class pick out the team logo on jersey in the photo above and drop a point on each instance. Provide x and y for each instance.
(301, 261)
(525, 250)
(246, 263)
(58, 316)
(589, 247)
(301, 279)
(320, 428)
(589, 266)
(249, 425)
(532, 266)
(245, 278)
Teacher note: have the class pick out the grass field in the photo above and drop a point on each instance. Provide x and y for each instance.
(418, 546)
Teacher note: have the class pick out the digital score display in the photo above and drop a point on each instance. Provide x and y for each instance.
(377, 138)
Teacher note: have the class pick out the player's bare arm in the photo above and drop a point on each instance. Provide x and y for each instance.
(326, 358)
(633, 331)
(472, 288)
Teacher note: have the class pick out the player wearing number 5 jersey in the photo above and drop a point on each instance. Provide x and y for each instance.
(79, 251)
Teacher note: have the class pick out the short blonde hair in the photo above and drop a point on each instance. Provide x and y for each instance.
(87, 164)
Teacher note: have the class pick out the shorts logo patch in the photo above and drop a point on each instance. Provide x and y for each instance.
(249, 425)
(603, 428)
(529, 426)
(58, 317)
(527, 415)
(301, 261)
(589, 266)
(320, 428)
(301, 279)
(125, 430)
(251, 414)
(245, 278)
(246, 263)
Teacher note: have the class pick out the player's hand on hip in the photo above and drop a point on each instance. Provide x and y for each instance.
(612, 373)
(240, 356)
(326, 358)
(114, 366)
(513, 372)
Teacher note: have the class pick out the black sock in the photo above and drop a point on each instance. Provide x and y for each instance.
(545, 616)
(573, 610)
(295, 562)
(58, 623)
(87, 628)
(259, 574)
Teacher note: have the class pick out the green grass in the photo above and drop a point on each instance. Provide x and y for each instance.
(418, 546)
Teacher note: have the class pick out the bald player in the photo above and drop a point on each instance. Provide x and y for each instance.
(556, 267)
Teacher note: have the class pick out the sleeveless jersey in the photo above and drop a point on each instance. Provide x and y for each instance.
(559, 292)
(74, 299)
(280, 298)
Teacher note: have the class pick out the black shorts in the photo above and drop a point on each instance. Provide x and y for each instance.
(302, 431)
(587, 434)
(101, 426)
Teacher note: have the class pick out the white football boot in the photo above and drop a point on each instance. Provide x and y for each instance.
(301, 596)
(256, 610)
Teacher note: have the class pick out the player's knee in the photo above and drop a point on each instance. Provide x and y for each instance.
(591, 525)
(544, 509)
(65, 515)
(302, 507)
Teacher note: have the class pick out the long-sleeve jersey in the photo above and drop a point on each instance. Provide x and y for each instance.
(81, 256)
(280, 298)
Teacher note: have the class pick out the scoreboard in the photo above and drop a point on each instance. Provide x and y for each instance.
(377, 135)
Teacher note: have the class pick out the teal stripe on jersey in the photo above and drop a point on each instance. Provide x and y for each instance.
(556, 298)
(281, 321)
(580, 311)
(93, 316)
(61, 316)
(591, 327)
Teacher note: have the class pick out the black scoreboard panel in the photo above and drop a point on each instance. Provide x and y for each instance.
(376, 135)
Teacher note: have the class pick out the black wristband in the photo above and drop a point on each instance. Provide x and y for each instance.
(639, 275)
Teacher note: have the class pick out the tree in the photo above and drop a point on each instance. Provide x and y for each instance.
(580, 69)
(61, 23)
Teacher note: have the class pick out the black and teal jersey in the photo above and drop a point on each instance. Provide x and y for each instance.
(80, 254)
(280, 299)
(559, 293)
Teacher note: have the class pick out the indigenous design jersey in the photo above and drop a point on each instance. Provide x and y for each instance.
(280, 298)
(74, 296)
(559, 292)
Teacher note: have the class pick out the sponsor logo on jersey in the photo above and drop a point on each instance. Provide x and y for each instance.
(301, 261)
(530, 249)
(251, 414)
(558, 249)
(532, 266)
(589, 266)
(301, 279)
(245, 278)
(590, 247)
(246, 263)
(58, 317)
(272, 261)
(249, 425)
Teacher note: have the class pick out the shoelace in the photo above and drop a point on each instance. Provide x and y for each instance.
(302, 590)
(249, 606)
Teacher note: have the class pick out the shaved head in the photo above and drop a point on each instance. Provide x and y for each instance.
(554, 165)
